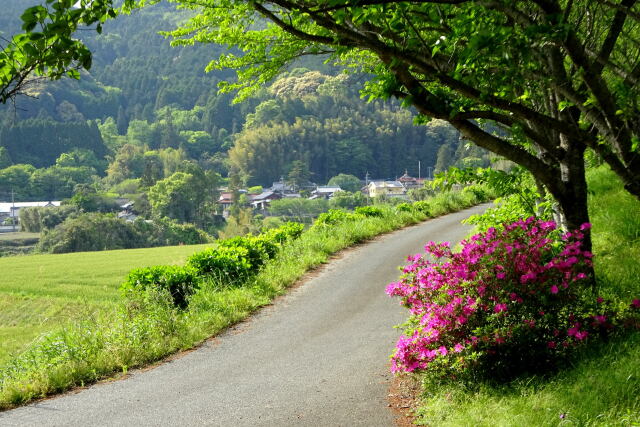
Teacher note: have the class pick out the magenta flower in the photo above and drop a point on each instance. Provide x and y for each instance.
(499, 308)
(459, 293)
(635, 303)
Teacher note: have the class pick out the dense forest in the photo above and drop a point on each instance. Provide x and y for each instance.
(147, 109)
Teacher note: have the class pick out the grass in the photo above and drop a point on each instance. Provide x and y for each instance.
(602, 385)
(17, 243)
(18, 235)
(41, 292)
(133, 332)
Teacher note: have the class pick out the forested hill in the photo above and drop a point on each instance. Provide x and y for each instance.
(144, 102)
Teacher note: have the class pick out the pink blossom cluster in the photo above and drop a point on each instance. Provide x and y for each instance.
(506, 286)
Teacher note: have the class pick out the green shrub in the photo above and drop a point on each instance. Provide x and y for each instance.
(478, 191)
(370, 211)
(230, 264)
(333, 217)
(256, 247)
(288, 231)
(423, 206)
(404, 207)
(180, 282)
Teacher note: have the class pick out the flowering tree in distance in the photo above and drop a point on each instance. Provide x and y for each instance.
(557, 76)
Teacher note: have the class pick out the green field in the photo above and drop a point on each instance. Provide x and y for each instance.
(39, 292)
(18, 235)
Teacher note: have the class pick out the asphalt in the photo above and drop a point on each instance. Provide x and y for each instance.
(317, 357)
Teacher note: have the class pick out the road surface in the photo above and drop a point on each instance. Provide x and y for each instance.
(319, 356)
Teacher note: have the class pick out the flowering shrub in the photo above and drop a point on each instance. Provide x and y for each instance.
(511, 301)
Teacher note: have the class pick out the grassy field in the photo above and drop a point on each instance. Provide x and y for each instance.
(17, 243)
(40, 292)
(18, 235)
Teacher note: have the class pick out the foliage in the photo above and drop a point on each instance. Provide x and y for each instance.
(259, 250)
(50, 140)
(97, 232)
(236, 258)
(514, 300)
(180, 282)
(446, 69)
(423, 206)
(516, 191)
(347, 200)
(404, 207)
(285, 232)
(333, 217)
(37, 219)
(298, 175)
(87, 199)
(298, 207)
(184, 196)
(346, 182)
(371, 211)
(229, 265)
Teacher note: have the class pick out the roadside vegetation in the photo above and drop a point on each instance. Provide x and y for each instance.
(147, 322)
(588, 374)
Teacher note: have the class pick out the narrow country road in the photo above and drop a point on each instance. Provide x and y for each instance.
(318, 356)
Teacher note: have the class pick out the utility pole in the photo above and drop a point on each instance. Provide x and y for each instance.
(13, 210)
(419, 170)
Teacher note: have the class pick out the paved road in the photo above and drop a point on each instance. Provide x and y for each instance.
(318, 356)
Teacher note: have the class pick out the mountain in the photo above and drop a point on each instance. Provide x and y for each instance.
(143, 96)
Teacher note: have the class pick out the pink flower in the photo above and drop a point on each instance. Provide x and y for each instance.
(585, 226)
(458, 348)
(580, 335)
(599, 300)
(635, 303)
(443, 350)
(499, 308)
(551, 344)
(600, 319)
(501, 275)
(554, 289)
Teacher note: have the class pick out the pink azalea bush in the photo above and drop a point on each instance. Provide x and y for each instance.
(513, 300)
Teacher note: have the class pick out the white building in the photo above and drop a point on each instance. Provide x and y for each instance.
(12, 210)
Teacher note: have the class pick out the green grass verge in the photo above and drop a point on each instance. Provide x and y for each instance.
(132, 333)
(602, 386)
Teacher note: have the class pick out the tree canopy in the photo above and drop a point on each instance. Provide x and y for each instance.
(553, 77)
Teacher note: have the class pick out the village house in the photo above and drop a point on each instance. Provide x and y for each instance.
(12, 210)
(324, 192)
(410, 182)
(261, 201)
(386, 188)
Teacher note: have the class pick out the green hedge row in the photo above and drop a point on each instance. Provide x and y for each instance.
(231, 262)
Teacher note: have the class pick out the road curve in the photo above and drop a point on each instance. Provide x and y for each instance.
(318, 356)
